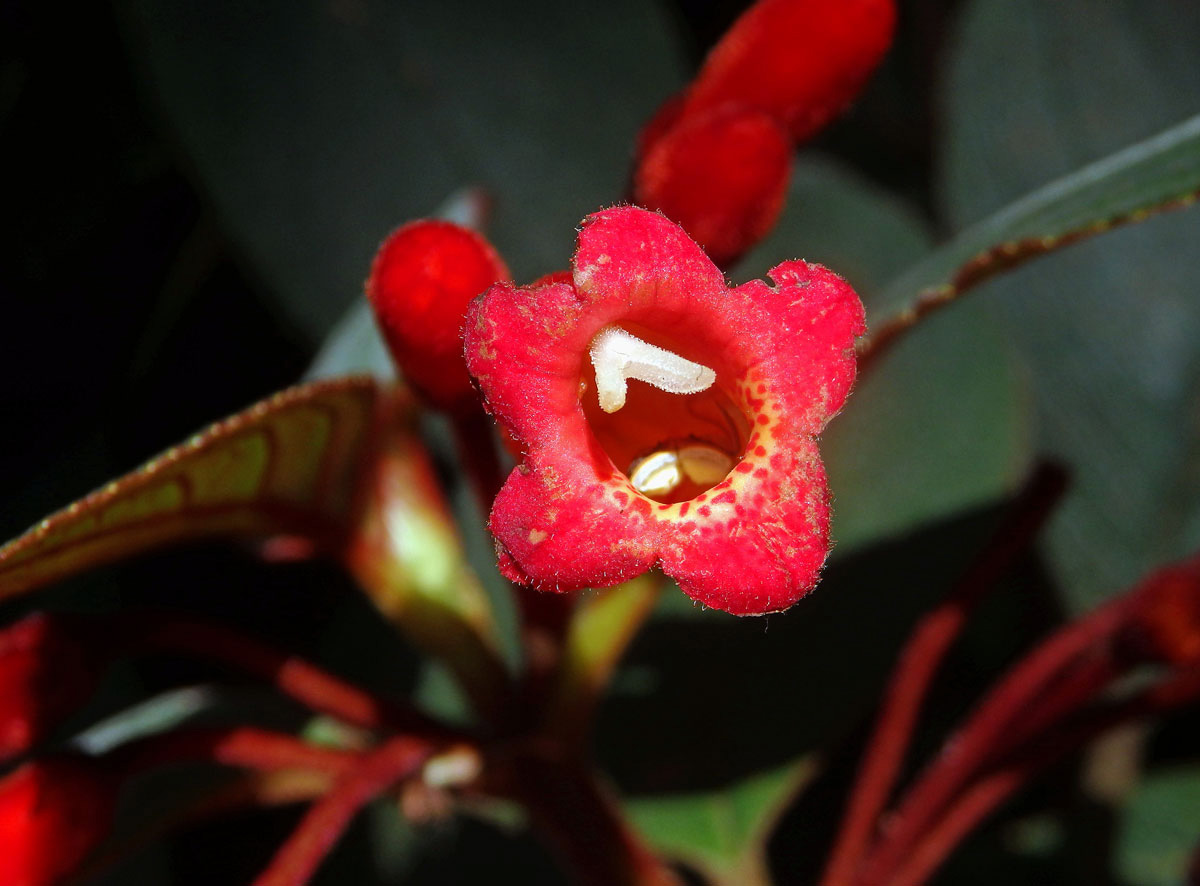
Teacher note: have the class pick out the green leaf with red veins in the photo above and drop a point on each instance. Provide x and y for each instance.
(1109, 328)
(288, 465)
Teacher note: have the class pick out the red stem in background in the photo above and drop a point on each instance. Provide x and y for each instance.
(919, 661)
(242, 746)
(985, 730)
(301, 680)
(323, 825)
(975, 803)
(544, 616)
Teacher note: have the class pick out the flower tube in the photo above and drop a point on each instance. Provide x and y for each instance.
(664, 418)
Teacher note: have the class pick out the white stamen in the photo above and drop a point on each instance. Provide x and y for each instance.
(617, 356)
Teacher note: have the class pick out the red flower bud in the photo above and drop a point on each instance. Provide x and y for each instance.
(1166, 621)
(53, 812)
(422, 280)
(44, 675)
(801, 61)
(722, 175)
(715, 158)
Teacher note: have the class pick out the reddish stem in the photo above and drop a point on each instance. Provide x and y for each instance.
(323, 825)
(242, 746)
(1004, 706)
(918, 664)
(474, 437)
(301, 680)
(581, 821)
(975, 803)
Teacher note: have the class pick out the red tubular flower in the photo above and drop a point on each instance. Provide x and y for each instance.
(423, 277)
(715, 157)
(801, 61)
(719, 483)
(1165, 625)
(44, 675)
(53, 812)
(722, 175)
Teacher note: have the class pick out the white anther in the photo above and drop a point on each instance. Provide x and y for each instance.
(617, 356)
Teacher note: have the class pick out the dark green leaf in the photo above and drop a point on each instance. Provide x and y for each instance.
(317, 128)
(288, 464)
(722, 832)
(1109, 327)
(1160, 829)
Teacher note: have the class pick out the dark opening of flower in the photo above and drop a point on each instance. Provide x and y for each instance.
(665, 418)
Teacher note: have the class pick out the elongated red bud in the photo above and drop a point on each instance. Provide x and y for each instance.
(721, 175)
(802, 61)
(423, 277)
(1165, 626)
(44, 675)
(53, 813)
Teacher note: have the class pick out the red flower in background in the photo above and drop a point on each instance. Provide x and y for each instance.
(424, 276)
(44, 676)
(1166, 622)
(52, 814)
(716, 157)
(710, 469)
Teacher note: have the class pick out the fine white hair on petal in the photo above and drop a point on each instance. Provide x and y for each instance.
(617, 356)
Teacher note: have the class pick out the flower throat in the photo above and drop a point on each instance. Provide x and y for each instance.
(675, 436)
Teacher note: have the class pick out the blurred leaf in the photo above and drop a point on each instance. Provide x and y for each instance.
(1108, 328)
(407, 554)
(317, 128)
(836, 217)
(288, 464)
(939, 425)
(723, 832)
(601, 627)
(1160, 829)
(707, 700)
(353, 346)
(1159, 173)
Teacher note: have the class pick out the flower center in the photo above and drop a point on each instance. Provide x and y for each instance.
(676, 435)
(618, 356)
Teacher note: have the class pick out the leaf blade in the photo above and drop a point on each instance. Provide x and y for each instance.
(286, 464)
